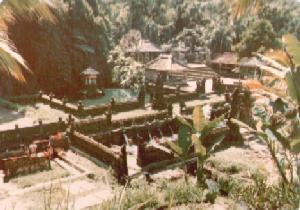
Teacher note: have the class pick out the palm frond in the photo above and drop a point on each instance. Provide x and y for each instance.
(11, 62)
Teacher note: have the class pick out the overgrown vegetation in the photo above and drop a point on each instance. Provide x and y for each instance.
(57, 39)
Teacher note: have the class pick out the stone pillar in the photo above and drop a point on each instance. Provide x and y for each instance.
(109, 116)
(41, 128)
(182, 107)
(80, 106)
(40, 94)
(198, 86)
(17, 132)
(112, 103)
(170, 110)
(141, 96)
(64, 101)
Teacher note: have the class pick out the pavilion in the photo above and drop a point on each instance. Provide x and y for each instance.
(225, 63)
(144, 51)
(169, 69)
(90, 78)
(250, 68)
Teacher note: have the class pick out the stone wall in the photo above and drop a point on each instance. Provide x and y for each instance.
(138, 133)
(99, 124)
(82, 111)
(173, 98)
(23, 165)
(116, 159)
(148, 154)
(27, 135)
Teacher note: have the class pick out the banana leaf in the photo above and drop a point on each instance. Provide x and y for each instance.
(198, 119)
(184, 122)
(211, 125)
(200, 150)
(184, 138)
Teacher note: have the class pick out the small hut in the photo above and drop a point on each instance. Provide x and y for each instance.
(165, 66)
(250, 68)
(144, 51)
(90, 78)
(225, 63)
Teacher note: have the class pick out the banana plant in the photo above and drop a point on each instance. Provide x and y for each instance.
(267, 135)
(193, 135)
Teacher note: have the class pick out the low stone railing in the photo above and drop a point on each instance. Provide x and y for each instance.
(27, 135)
(23, 165)
(99, 124)
(116, 159)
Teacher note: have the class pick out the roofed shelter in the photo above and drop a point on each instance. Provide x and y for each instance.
(167, 67)
(225, 62)
(250, 67)
(90, 76)
(144, 51)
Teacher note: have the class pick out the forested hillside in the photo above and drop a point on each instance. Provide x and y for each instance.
(45, 44)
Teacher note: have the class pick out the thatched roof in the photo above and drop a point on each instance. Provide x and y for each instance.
(145, 46)
(165, 63)
(252, 62)
(90, 72)
(227, 58)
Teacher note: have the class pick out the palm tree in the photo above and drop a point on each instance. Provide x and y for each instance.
(11, 61)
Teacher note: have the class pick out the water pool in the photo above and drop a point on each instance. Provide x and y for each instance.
(120, 95)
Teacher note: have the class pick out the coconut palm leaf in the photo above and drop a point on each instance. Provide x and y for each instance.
(11, 62)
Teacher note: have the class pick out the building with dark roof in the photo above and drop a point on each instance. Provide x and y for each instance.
(144, 51)
(167, 67)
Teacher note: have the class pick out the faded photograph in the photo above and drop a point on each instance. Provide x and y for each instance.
(149, 104)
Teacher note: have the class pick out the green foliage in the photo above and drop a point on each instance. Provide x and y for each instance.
(262, 196)
(133, 197)
(222, 40)
(184, 193)
(260, 37)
